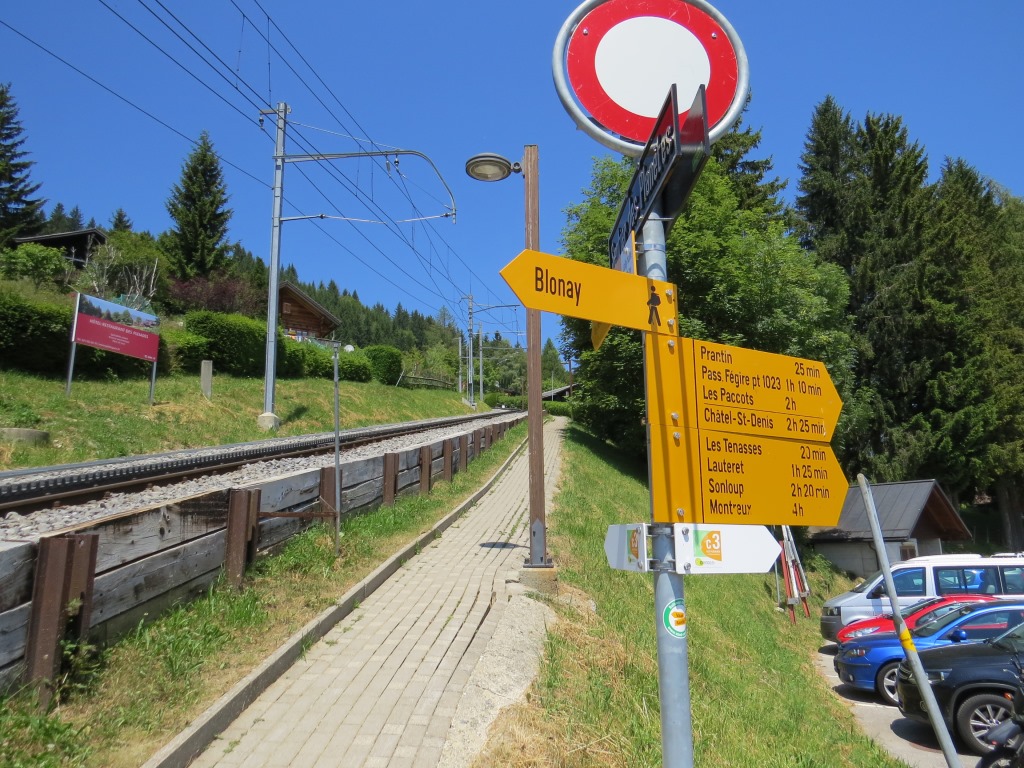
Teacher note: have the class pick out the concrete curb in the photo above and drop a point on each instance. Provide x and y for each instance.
(188, 744)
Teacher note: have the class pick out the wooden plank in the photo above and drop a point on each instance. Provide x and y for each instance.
(288, 490)
(17, 564)
(14, 633)
(118, 591)
(139, 534)
(463, 452)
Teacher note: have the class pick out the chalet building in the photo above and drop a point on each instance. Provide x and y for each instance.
(301, 317)
(915, 517)
(77, 245)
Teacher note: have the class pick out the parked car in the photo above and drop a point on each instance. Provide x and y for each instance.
(871, 663)
(923, 577)
(919, 613)
(972, 684)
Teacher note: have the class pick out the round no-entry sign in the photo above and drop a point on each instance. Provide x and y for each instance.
(614, 61)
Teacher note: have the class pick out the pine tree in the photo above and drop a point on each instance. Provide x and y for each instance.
(748, 176)
(828, 166)
(21, 214)
(120, 222)
(198, 207)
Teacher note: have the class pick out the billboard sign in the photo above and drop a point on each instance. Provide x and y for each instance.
(115, 328)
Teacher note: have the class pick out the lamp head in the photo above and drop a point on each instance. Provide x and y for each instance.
(488, 166)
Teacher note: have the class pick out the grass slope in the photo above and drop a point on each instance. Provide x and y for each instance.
(757, 699)
(107, 419)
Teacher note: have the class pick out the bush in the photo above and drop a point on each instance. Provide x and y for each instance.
(237, 345)
(185, 351)
(385, 363)
(34, 337)
(353, 366)
(556, 408)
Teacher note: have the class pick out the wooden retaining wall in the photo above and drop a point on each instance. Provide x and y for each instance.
(149, 560)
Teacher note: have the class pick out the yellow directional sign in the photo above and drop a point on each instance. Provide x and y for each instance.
(704, 476)
(758, 393)
(721, 454)
(587, 291)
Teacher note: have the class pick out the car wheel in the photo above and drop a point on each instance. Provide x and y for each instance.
(885, 682)
(976, 716)
(1000, 758)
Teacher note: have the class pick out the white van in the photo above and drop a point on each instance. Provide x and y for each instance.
(924, 577)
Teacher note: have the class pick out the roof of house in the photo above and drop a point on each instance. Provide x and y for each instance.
(315, 307)
(66, 239)
(903, 510)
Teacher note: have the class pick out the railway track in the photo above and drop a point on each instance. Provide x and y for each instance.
(27, 490)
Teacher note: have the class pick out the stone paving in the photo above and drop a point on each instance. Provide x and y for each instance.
(381, 688)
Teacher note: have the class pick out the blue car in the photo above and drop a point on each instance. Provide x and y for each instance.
(870, 663)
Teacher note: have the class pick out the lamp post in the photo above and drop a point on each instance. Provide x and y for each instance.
(491, 167)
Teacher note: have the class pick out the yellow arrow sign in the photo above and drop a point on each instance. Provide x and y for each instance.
(577, 289)
(721, 478)
(759, 393)
(727, 463)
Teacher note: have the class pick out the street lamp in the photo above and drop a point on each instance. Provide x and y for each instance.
(491, 167)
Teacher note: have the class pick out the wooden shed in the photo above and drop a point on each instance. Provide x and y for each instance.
(301, 317)
(77, 245)
(916, 517)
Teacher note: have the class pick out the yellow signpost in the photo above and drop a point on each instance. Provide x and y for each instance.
(587, 291)
(728, 444)
(759, 393)
(737, 436)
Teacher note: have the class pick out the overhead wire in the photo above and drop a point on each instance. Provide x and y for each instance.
(340, 122)
(253, 103)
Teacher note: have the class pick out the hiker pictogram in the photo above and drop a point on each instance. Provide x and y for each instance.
(654, 302)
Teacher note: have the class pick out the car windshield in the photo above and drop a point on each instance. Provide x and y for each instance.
(863, 586)
(937, 625)
(1012, 640)
(920, 605)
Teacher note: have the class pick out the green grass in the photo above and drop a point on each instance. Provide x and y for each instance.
(144, 690)
(103, 419)
(756, 696)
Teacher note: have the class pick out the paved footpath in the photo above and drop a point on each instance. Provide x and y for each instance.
(383, 686)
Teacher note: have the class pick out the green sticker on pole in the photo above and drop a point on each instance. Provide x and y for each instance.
(674, 618)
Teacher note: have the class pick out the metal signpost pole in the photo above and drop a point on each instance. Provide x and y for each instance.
(669, 601)
(927, 694)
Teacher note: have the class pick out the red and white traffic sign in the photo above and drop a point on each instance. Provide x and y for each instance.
(615, 60)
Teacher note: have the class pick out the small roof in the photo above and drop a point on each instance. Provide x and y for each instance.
(314, 306)
(917, 508)
(66, 239)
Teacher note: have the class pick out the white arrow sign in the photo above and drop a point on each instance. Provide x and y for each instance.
(626, 547)
(702, 548)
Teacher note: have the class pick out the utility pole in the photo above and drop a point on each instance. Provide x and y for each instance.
(480, 340)
(268, 420)
(469, 374)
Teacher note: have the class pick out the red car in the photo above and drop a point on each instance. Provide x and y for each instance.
(918, 613)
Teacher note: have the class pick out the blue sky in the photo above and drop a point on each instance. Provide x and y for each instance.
(449, 80)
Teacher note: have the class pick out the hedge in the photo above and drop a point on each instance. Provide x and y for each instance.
(385, 362)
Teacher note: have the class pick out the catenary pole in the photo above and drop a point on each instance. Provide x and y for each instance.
(275, 263)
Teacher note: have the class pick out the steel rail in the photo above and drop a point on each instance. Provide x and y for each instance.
(29, 489)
